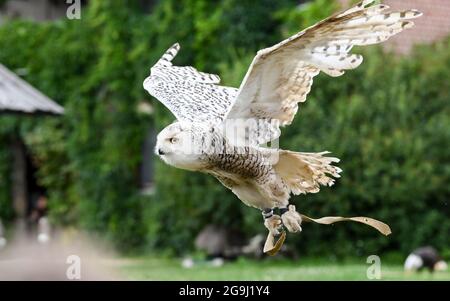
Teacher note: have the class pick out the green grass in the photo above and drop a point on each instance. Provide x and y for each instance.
(170, 269)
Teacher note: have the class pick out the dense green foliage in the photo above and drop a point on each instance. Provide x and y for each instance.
(388, 121)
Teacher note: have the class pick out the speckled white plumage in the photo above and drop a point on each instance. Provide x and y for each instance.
(278, 80)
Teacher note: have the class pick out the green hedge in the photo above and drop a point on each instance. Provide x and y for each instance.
(388, 121)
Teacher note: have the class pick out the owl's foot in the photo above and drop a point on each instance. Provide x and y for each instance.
(272, 222)
(276, 236)
(291, 219)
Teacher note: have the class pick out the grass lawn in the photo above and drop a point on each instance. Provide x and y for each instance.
(171, 269)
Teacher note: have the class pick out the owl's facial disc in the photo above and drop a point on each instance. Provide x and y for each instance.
(176, 145)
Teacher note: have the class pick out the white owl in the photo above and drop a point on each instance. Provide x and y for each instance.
(221, 130)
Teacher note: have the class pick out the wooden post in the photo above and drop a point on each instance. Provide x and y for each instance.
(19, 179)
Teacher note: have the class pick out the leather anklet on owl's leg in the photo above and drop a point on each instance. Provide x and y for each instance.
(272, 221)
(291, 219)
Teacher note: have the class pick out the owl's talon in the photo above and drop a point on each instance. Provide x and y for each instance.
(291, 219)
(274, 224)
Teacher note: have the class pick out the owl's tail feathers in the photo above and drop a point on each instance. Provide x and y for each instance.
(305, 172)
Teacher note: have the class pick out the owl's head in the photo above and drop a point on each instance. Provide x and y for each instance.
(179, 145)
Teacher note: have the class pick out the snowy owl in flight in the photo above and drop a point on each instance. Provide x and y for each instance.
(222, 130)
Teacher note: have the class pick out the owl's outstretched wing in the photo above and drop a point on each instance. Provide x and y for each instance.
(189, 94)
(281, 76)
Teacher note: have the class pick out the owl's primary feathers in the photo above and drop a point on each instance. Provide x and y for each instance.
(220, 130)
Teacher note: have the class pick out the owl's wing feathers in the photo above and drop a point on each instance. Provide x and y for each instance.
(189, 94)
(281, 76)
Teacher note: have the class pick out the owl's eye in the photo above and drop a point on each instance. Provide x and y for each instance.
(173, 140)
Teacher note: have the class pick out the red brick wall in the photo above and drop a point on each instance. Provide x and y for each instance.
(432, 26)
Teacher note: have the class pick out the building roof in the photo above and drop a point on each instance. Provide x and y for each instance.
(16, 95)
(433, 26)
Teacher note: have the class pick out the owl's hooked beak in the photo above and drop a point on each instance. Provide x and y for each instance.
(160, 152)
